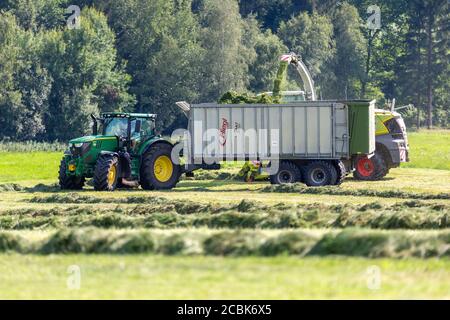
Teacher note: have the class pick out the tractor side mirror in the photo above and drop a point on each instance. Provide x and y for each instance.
(137, 129)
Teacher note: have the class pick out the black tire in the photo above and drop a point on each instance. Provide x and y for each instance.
(288, 172)
(341, 173)
(69, 182)
(379, 168)
(103, 168)
(149, 177)
(320, 173)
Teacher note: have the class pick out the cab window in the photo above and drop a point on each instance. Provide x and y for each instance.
(147, 126)
(116, 127)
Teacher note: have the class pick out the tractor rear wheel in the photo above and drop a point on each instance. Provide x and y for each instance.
(157, 169)
(107, 173)
(69, 182)
(288, 172)
(320, 173)
(371, 169)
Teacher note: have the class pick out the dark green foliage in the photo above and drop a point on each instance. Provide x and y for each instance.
(53, 77)
(158, 52)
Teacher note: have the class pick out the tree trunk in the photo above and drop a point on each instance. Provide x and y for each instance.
(368, 62)
(369, 56)
(429, 68)
(419, 76)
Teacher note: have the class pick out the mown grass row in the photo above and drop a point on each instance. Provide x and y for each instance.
(300, 188)
(161, 213)
(287, 188)
(351, 242)
(183, 206)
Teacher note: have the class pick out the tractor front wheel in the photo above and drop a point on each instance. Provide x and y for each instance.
(107, 173)
(67, 182)
(371, 169)
(157, 169)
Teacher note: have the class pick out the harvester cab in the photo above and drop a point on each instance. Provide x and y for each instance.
(123, 151)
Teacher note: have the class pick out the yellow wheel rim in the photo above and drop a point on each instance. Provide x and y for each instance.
(163, 169)
(112, 175)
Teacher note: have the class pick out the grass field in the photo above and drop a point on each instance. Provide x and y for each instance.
(429, 149)
(223, 239)
(159, 277)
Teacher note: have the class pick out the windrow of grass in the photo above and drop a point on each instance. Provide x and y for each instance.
(162, 213)
(300, 188)
(285, 188)
(350, 242)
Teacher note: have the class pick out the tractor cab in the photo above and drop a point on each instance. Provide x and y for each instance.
(129, 128)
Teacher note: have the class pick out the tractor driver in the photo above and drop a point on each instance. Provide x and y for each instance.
(119, 127)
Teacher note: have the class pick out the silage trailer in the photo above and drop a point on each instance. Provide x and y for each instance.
(315, 142)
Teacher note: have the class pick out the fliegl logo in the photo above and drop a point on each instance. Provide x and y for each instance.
(223, 132)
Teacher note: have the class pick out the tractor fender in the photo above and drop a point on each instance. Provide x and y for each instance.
(154, 142)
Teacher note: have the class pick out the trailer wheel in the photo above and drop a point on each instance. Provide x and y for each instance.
(341, 173)
(371, 169)
(157, 169)
(288, 172)
(320, 173)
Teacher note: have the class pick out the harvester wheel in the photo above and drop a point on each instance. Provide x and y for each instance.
(320, 173)
(157, 169)
(288, 172)
(107, 173)
(341, 173)
(69, 182)
(371, 169)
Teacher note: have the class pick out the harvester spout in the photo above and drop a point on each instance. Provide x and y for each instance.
(304, 73)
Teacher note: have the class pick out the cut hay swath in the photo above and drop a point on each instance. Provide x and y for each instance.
(349, 242)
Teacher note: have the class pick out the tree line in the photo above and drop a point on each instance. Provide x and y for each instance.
(142, 56)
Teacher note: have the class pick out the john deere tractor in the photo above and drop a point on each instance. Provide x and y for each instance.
(123, 151)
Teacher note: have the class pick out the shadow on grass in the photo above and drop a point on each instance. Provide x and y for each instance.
(357, 180)
(183, 186)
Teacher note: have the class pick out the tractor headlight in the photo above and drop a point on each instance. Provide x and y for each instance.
(79, 149)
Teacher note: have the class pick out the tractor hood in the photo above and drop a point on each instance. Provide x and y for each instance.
(87, 139)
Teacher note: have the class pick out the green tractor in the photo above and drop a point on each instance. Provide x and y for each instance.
(123, 151)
